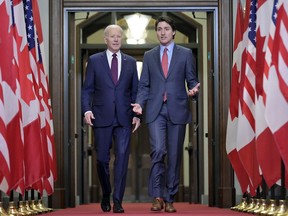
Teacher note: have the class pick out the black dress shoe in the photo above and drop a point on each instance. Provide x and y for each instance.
(105, 204)
(117, 208)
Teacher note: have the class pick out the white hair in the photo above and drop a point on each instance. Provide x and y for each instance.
(107, 29)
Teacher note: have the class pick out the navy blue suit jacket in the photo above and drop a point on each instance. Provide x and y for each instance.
(105, 99)
(152, 85)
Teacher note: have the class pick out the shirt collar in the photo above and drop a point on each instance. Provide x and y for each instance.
(109, 53)
(169, 47)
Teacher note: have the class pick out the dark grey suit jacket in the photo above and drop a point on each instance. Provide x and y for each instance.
(152, 84)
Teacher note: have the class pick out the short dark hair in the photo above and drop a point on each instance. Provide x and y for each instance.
(166, 19)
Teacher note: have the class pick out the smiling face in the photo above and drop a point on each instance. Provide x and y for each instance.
(113, 38)
(165, 33)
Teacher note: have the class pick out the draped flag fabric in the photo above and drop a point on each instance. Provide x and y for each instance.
(262, 91)
(12, 147)
(47, 120)
(33, 156)
(267, 153)
(246, 122)
(232, 123)
(33, 146)
(276, 112)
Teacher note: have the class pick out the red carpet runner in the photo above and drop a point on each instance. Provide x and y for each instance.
(144, 209)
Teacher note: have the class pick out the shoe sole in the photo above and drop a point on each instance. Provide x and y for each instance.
(156, 209)
(170, 211)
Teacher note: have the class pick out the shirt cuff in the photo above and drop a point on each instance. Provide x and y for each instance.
(87, 112)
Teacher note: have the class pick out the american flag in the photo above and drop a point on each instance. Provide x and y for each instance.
(246, 123)
(276, 87)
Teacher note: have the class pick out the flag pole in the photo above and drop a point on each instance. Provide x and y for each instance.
(2, 210)
(264, 187)
(12, 207)
(41, 205)
(22, 209)
(283, 185)
(20, 197)
(11, 198)
(282, 209)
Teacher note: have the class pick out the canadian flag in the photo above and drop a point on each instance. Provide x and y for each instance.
(12, 140)
(232, 124)
(267, 153)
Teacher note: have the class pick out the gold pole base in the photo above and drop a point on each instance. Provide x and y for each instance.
(240, 206)
(28, 208)
(250, 206)
(22, 208)
(42, 207)
(33, 206)
(263, 207)
(256, 206)
(282, 210)
(272, 208)
(12, 210)
(2, 210)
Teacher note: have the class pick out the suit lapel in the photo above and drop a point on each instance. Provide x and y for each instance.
(123, 66)
(106, 64)
(157, 59)
(174, 58)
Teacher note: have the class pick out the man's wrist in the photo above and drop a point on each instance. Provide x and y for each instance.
(87, 112)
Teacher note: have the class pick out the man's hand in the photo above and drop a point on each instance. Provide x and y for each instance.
(137, 108)
(88, 117)
(136, 122)
(194, 91)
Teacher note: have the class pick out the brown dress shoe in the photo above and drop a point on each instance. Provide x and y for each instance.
(169, 208)
(157, 204)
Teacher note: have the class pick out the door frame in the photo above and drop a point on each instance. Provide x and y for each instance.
(59, 73)
(73, 96)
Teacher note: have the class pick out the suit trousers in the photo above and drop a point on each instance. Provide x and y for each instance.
(104, 137)
(166, 140)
